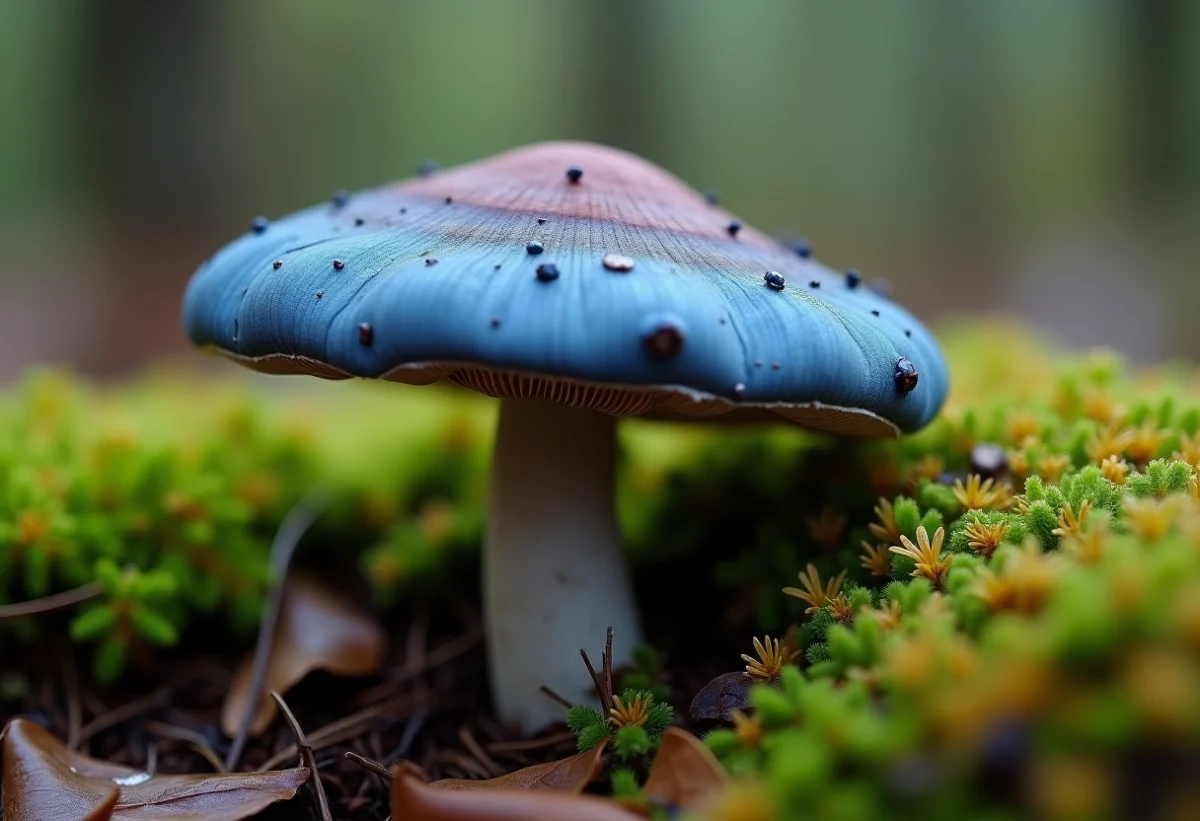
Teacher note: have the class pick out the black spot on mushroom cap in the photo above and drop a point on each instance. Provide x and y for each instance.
(430, 261)
(574, 173)
(320, 294)
(495, 322)
(774, 280)
(874, 312)
(358, 221)
(496, 267)
(338, 265)
(547, 272)
(617, 262)
(775, 366)
(534, 247)
(541, 220)
(449, 200)
(853, 278)
(427, 167)
(664, 340)
(905, 376)
(758, 363)
(812, 283)
(366, 334)
(259, 224)
(802, 248)
(733, 228)
(711, 197)
(403, 210)
(339, 198)
(277, 264)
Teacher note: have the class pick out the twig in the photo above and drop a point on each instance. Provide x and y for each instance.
(56, 601)
(198, 742)
(371, 766)
(556, 696)
(306, 755)
(297, 522)
(525, 744)
(123, 713)
(341, 729)
(603, 681)
(415, 722)
(483, 758)
(71, 691)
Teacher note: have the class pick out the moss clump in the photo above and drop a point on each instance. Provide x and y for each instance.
(1040, 659)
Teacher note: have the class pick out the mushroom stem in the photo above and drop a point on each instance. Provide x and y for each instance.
(554, 571)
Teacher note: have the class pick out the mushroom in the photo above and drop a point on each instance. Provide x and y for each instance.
(577, 284)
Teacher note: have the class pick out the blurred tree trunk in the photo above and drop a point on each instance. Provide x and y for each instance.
(1159, 41)
(621, 107)
(151, 153)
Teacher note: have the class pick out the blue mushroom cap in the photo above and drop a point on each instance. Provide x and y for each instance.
(641, 301)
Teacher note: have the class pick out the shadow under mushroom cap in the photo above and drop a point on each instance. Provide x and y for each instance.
(435, 281)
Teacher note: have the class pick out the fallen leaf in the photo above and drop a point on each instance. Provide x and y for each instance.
(567, 775)
(317, 630)
(44, 780)
(720, 697)
(685, 775)
(414, 800)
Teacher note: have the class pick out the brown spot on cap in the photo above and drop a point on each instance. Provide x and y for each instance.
(664, 342)
(366, 334)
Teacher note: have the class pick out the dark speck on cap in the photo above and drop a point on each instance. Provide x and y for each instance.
(277, 264)
(905, 376)
(541, 220)
(430, 260)
(340, 198)
(547, 272)
(874, 312)
(366, 335)
(663, 340)
(320, 294)
(358, 221)
(449, 200)
(259, 225)
(774, 280)
(814, 283)
(853, 278)
(427, 167)
(495, 322)
(802, 248)
(338, 265)
(574, 173)
(733, 228)
(711, 197)
(533, 247)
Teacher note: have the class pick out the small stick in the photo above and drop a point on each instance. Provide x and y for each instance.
(122, 713)
(198, 742)
(74, 701)
(370, 766)
(306, 755)
(526, 744)
(297, 522)
(483, 758)
(56, 601)
(557, 697)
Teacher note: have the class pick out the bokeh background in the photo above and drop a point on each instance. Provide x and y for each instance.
(1035, 158)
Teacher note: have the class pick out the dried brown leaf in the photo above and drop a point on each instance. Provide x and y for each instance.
(720, 697)
(318, 630)
(42, 780)
(567, 775)
(685, 774)
(414, 800)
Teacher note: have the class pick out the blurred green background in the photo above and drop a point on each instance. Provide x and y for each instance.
(1031, 157)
